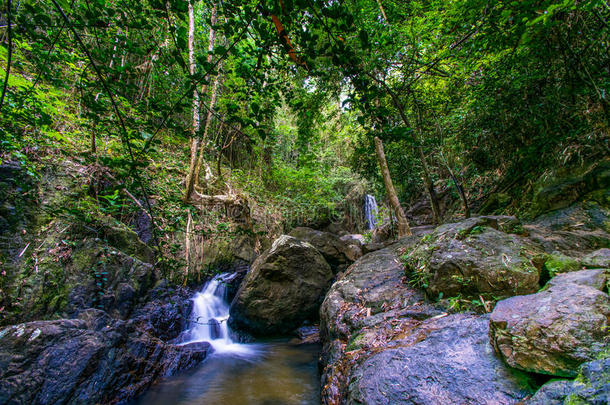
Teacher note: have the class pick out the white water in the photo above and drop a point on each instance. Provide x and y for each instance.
(209, 319)
(370, 211)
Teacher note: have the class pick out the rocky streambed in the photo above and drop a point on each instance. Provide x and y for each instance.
(487, 310)
(399, 327)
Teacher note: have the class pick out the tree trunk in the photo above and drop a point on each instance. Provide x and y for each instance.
(460, 192)
(436, 211)
(458, 186)
(195, 127)
(427, 178)
(403, 224)
(206, 129)
(195, 141)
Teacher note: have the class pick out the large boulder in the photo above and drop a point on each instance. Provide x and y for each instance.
(383, 343)
(374, 282)
(284, 287)
(338, 252)
(479, 256)
(448, 361)
(556, 330)
(92, 359)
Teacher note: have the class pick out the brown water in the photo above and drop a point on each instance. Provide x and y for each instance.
(278, 373)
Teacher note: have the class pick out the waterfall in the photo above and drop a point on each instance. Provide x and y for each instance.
(370, 211)
(210, 317)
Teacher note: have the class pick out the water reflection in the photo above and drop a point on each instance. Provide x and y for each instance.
(281, 374)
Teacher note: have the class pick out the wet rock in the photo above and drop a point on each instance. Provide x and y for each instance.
(166, 313)
(478, 256)
(308, 334)
(143, 226)
(284, 287)
(89, 360)
(556, 330)
(337, 251)
(125, 297)
(450, 361)
(214, 328)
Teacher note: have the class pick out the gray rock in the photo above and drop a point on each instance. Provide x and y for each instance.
(564, 191)
(597, 259)
(338, 251)
(576, 230)
(552, 393)
(553, 331)
(452, 363)
(88, 360)
(372, 281)
(595, 278)
(477, 256)
(592, 386)
(353, 239)
(284, 287)
(384, 344)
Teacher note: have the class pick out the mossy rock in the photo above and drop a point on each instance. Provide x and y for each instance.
(558, 263)
(474, 257)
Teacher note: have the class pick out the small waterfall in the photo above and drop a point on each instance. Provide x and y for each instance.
(370, 211)
(210, 316)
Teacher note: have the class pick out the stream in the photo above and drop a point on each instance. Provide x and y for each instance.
(274, 372)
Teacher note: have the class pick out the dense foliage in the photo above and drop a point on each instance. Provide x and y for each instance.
(495, 93)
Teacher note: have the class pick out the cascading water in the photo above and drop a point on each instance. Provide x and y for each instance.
(270, 372)
(370, 211)
(210, 316)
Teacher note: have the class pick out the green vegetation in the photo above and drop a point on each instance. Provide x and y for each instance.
(219, 121)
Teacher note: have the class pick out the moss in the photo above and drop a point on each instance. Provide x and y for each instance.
(557, 263)
(466, 232)
(355, 343)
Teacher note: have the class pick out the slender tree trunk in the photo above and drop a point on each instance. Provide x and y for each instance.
(9, 29)
(458, 186)
(187, 244)
(403, 224)
(427, 178)
(195, 141)
(460, 192)
(195, 123)
(436, 211)
(93, 145)
(206, 129)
